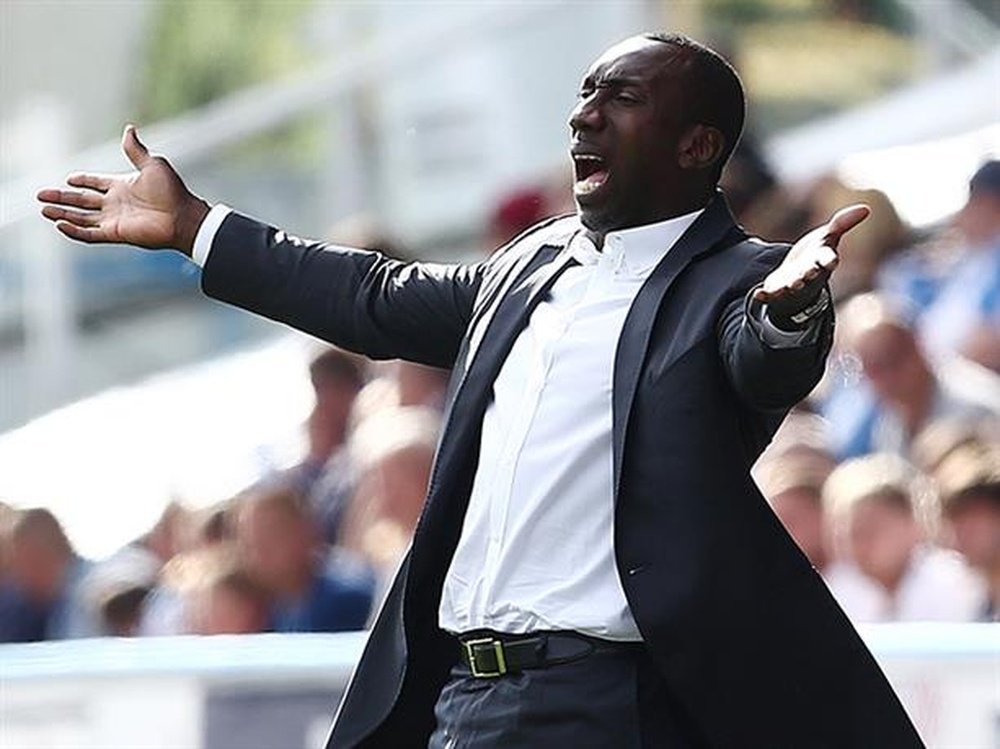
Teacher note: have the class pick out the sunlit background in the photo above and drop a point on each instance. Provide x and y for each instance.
(123, 389)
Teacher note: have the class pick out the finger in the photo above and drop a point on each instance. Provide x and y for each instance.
(99, 182)
(80, 233)
(137, 153)
(769, 296)
(844, 220)
(78, 218)
(826, 258)
(76, 198)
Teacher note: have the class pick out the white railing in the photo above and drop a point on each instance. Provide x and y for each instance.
(262, 691)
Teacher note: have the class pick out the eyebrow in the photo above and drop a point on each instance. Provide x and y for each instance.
(613, 80)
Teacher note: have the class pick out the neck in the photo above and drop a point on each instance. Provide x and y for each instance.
(681, 208)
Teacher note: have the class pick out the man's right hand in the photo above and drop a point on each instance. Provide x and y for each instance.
(150, 207)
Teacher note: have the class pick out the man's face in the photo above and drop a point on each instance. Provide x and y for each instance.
(975, 530)
(274, 544)
(892, 364)
(882, 538)
(800, 512)
(626, 130)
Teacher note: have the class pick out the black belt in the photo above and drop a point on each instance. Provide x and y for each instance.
(493, 654)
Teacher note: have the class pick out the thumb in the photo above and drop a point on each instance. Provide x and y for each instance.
(844, 220)
(134, 148)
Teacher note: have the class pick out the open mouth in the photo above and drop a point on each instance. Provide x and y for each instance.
(591, 172)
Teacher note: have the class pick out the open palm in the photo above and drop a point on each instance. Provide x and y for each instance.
(150, 207)
(809, 263)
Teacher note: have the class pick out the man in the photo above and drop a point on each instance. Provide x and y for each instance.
(323, 476)
(51, 577)
(591, 534)
(392, 454)
(790, 474)
(911, 390)
(280, 545)
(881, 519)
(968, 481)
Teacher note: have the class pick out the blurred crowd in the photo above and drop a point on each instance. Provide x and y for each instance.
(887, 476)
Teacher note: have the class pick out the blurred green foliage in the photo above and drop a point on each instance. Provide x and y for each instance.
(201, 50)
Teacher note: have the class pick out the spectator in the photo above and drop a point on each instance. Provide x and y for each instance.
(50, 575)
(964, 317)
(910, 392)
(19, 620)
(224, 598)
(120, 583)
(791, 476)
(939, 439)
(337, 377)
(969, 483)
(121, 610)
(393, 452)
(880, 515)
(280, 544)
(401, 384)
(166, 610)
(323, 477)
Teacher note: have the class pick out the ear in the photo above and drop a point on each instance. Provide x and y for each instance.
(700, 147)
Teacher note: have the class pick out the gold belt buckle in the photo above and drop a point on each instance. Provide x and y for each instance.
(470, 652)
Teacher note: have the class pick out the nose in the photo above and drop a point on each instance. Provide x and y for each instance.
(587, 114)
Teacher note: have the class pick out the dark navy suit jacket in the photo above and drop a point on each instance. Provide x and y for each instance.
(738, 623)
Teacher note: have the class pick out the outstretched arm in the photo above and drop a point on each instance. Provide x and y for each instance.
(354, 298)
(792, 297)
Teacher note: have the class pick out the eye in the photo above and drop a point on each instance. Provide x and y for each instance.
(627, 97)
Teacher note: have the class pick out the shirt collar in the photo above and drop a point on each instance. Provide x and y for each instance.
(635, 250)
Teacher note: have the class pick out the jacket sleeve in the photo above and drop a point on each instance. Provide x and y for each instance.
(766, 377)
(356, 299)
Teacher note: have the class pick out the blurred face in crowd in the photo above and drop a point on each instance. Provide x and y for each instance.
(979, 219)
(397, 485)
(278, 545)
(882, 535)
(223, 609)
(327, 425)
(974, 525)
(36, 570)
(893, 364)
(800, 511)
(635, 153)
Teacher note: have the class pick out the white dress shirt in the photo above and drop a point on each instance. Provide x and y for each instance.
(537, 543)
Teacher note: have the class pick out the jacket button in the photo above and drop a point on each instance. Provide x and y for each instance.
(636, 570)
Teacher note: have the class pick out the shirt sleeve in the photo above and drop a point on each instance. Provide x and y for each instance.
(207, 231)
(775, 337)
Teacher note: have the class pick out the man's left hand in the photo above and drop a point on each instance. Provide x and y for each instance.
(797, 283)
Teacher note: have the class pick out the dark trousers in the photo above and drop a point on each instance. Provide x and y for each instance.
(611, 699)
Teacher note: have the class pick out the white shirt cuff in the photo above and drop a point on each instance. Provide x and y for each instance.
(775, 337)
(207, 231)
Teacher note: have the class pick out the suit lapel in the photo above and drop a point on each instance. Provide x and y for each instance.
(463, 418)
(702, 236)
